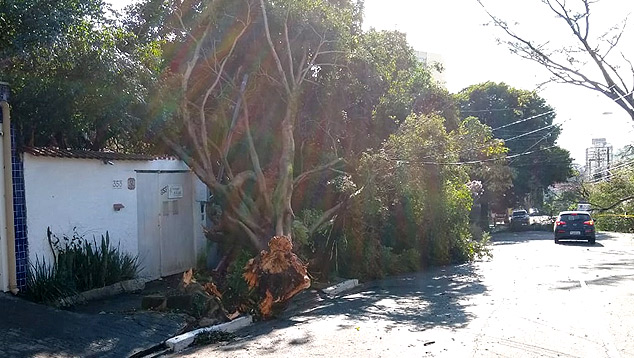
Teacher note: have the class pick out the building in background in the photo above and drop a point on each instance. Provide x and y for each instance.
(435, 63)
(599, 158)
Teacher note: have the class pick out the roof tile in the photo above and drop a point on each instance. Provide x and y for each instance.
(89, 154)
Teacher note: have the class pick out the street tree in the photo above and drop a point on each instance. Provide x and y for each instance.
(76, 80)
(352, 112)
(613, 200)
(485, 161)
(381, 84)
(415, 208)
(28, 25)
(229, 104)
(239, 70)
(524, 121)
(596, 61)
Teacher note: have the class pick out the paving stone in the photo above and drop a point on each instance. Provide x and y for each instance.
(33, 330)
(154, 302)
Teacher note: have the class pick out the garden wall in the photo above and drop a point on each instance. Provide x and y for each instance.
(93, 194)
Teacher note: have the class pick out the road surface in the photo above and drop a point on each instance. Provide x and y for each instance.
(532, 299)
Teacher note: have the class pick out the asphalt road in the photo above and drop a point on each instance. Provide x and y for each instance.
(532, 299)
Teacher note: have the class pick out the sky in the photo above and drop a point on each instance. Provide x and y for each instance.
(457, 30)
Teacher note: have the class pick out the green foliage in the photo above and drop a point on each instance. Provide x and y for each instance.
(78, 265)
(79, 80)
(396, 264)
(413, 212)
(45, 283)
(540, 162)
(28, 25)
(615, 222)
(303, 243)
(611, 194)
(237, 291)
(566, 197)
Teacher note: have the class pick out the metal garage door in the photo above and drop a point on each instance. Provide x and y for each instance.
(166, 227)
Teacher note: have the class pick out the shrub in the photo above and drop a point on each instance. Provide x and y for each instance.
(237, 293)
(78, 265)
(44, 284)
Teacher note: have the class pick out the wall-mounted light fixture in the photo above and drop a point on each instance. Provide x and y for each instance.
(117, 207)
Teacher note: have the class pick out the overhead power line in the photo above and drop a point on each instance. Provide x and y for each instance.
(548, 112)
(544, 137)
(523, 120)
(531, 132)
(490, 110)
(614, 171)
(481, 161)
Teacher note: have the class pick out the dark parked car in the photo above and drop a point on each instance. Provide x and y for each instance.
(575, 225)
(520, 219)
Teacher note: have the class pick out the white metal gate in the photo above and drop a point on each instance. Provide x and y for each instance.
(166, 222)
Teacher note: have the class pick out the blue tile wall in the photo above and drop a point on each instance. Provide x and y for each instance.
(19, 208)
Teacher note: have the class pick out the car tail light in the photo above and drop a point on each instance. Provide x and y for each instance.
(560, 223)
(589, 222)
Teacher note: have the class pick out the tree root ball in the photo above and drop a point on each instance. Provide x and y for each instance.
(277, 274)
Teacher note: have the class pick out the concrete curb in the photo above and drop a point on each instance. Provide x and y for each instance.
(341, 287)
(180, 342)
(102, 292)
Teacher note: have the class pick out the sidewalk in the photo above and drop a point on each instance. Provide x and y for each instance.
(32, 330)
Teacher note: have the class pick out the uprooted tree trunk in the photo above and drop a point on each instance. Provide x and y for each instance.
(276, 274)
(255, 203)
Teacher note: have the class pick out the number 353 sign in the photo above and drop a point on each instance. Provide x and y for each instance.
(118, 184)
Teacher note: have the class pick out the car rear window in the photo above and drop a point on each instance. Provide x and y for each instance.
(519, 213)
(575, 217)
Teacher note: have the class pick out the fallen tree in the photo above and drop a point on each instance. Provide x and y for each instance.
(239, 69)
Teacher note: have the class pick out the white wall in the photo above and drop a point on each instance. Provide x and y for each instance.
(66, 193)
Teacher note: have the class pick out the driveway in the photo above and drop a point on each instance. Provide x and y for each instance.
(32, 330)
(532, 299)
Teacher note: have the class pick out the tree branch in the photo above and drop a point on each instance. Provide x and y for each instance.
(288, 47)
(601, 209)
(191, 162)
(267, 31)
(250, 234)
(220, 71)
(255, 160)
(201, 150)
(328, 214)
(300, 178)
(566, 74)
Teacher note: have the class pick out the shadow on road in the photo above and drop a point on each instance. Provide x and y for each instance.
(415, 302)
(419, 301)
(518, 237)
(579, 243)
